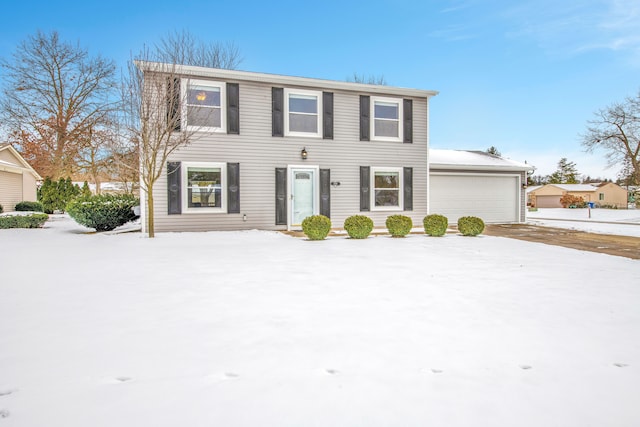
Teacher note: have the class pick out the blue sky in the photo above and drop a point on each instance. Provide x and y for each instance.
(522, 76)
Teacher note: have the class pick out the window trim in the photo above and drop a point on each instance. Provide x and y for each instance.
(223, 187)
(185, 84)
(372, 124)
(372, 180)
(319, 112)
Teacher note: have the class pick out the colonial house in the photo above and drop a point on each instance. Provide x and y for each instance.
(269, 150)
(18, 180)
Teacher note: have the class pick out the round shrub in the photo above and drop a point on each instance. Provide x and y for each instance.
(29, 207)
(435, 225)
(358, 226)
(399, 225)
(1, 209)
(103, 212)
(470, 225)
(316, 227)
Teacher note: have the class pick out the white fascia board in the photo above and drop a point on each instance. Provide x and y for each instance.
(434, 167)
(276, 79)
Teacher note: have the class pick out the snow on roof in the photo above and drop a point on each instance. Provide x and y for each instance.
(533, 188)
(463, 159)
(576, 187)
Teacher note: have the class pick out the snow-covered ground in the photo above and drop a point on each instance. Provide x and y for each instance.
(261, 329)
(624, 222)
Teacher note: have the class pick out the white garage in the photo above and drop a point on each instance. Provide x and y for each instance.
(474, 183)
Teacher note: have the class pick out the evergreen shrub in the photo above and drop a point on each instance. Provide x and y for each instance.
(399, 225)
(470, 225)
(55, 196)
(103, 212)
(1, 209)
(29, 207)
(36, 220)
(316, 227)
(435, 225)
(358, 226)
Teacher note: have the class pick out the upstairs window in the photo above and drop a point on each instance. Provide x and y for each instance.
(302, 113)
(204, 109)
(386, 119)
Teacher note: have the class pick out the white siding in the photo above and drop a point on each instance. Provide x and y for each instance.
(259, 154)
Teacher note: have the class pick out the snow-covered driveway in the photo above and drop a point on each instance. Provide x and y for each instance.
(261, 329)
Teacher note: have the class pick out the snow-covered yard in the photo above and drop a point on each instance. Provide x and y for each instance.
(624, 222)
(261, 329)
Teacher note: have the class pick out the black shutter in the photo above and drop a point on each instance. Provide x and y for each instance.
(173, 103)
(407, 109)
(281, 196)
(327, 115)
(365, 112)
(233, 187)
(233, 108)
(325, 192)
(408, 188)
(174, 193)
(277, 111)
(365, 183)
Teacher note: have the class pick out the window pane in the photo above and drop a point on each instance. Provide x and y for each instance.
(203, 187)
(203, 116)
(203, 95)
(387, 197)
(303, 123)
(386, 128)
(386, 180)
(303, 104)
(386, 110)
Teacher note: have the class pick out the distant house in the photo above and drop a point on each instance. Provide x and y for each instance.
(18, 180)
(475, 183)
(606, 194)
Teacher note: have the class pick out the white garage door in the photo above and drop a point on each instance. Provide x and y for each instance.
(490, 197)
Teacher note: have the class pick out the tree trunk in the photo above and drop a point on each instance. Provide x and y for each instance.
(150, 214)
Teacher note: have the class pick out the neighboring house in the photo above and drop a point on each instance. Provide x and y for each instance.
(475, 183)
(605, 194)
(276, 149)
(18, 180)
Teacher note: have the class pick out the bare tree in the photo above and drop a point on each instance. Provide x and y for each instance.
(153, 99)
(55, 92)
(616, 129)
(370, 79)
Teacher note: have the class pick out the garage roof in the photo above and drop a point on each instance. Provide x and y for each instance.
(473, 160)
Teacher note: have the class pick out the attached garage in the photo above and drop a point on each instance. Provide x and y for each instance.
(18, 180)
(474, 183)
(548, 202)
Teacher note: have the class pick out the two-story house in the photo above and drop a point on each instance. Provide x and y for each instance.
(269, 150)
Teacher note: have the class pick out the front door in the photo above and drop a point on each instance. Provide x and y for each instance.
(303, 195)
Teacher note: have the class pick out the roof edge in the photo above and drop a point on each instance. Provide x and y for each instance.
(250, 76)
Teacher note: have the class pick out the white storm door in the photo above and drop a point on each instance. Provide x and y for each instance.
(303, 194)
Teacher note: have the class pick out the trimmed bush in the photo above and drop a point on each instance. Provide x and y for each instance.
(470, 225)
(316, 227)
(29, 207)
(104, 212)
(358, 226)
(399, 225)
(1, 209)
(23, 221)
(435, 225)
